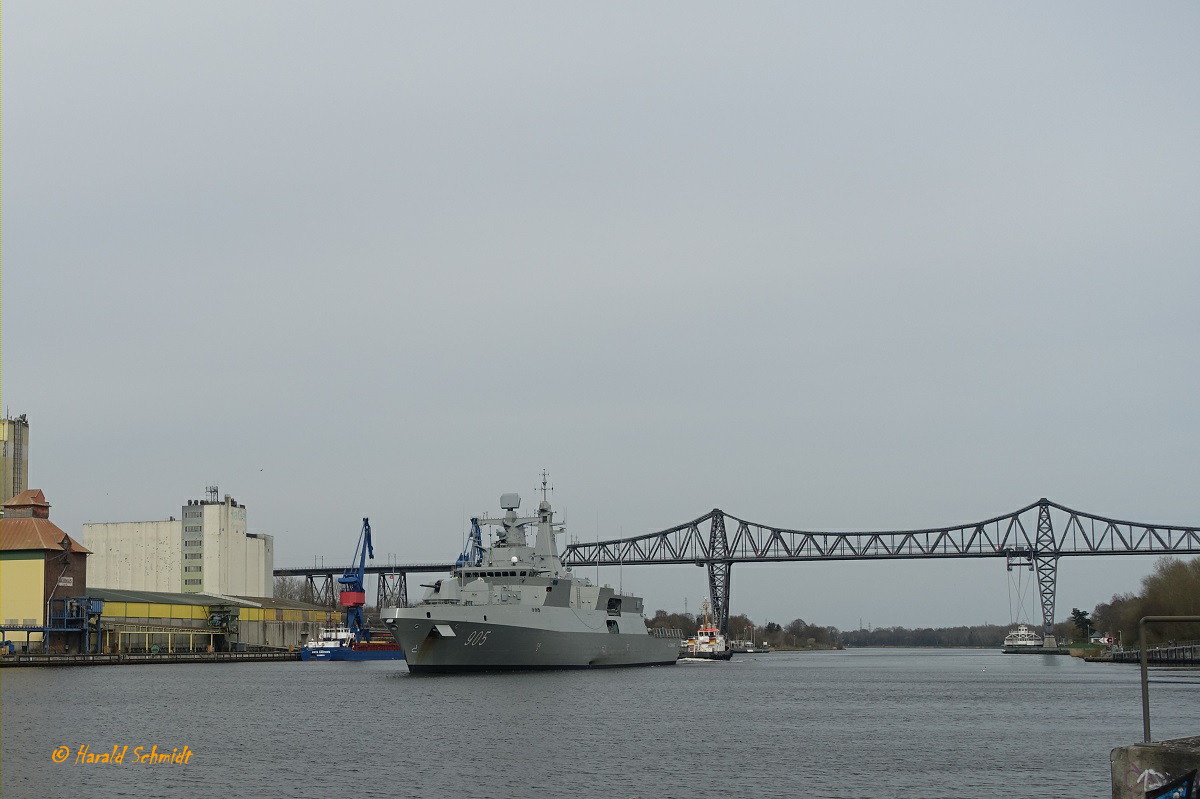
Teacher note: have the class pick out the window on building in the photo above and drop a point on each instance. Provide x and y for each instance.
(191, 582)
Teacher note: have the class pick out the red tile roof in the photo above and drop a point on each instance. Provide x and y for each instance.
(32, 496)
(28, 533)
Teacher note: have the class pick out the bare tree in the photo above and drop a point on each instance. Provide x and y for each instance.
(291, 588)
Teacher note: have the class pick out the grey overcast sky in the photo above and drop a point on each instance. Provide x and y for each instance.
(830, 266)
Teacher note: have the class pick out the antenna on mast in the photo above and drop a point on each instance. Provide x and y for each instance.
(544, 489)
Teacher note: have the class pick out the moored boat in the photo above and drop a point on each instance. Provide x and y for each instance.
(337, 643)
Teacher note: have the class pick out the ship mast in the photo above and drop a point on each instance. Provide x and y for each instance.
(544, 546)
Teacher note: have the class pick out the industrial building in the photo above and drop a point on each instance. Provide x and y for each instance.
(14, 457)
(153, 621)
(206, 550)
(41, 568)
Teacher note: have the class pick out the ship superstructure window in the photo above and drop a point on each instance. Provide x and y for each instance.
(612, 626)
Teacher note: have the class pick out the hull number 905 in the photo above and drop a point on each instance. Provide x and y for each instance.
(477, 638)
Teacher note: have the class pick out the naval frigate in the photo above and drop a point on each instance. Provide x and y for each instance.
(514, 606)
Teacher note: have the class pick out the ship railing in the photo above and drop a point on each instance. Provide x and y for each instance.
(666, 632)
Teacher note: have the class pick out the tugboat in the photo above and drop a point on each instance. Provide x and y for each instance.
(514, 606)
(708, 643)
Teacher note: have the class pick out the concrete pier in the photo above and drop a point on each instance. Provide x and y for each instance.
(1142, 767)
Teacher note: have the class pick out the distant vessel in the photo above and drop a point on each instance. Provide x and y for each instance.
(1022, 637)
(337, 643)
(514, 606)
(708, 643)
(748, 647)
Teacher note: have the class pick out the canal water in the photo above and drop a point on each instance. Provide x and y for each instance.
(868, 722)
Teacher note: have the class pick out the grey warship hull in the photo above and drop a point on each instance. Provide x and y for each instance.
(444, 643)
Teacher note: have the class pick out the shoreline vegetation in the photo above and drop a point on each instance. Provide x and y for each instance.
(1173, 589)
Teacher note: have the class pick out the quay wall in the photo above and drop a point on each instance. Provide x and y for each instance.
(1180, 655)
(125, 658)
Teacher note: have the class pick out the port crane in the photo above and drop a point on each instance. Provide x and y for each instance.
(472, 554)
(354, 592)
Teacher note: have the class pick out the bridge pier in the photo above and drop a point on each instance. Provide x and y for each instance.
(718, 592)
(718, 572)
(320, 588)
(392, 591)
(1045, 560)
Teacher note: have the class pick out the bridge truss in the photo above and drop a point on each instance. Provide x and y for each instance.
(1034, 537)
(391, 590)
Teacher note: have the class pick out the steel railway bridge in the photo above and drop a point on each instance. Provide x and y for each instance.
(1034, 537)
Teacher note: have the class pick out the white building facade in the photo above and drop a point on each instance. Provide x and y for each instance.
(207, 550)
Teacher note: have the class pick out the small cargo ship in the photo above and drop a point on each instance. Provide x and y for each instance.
(337, 643)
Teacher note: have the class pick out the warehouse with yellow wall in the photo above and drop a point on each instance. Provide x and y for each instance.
(160, 621)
